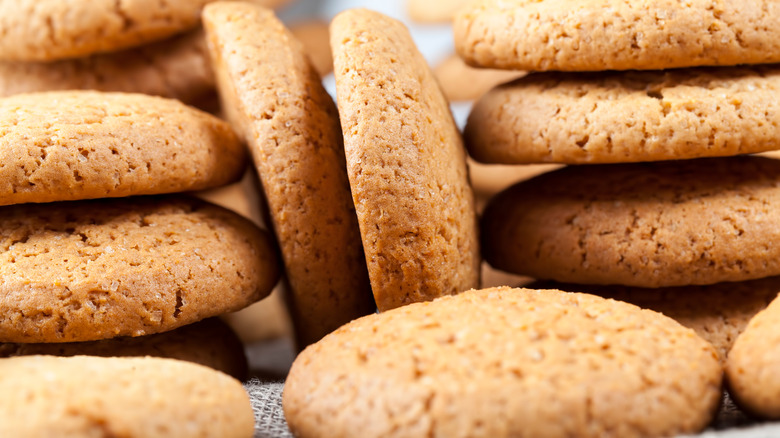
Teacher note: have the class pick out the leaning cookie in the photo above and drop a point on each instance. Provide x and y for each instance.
(585, 367)
(718, 313)
(176, 68)
(209, 343)
(628, 116)
(122, 397)
(751, 369)
(272, 93)
(406, 164)
(90, 270)
(69, 145)
(663, 224)
(616, 34)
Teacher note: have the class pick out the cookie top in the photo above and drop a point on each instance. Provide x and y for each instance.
(83, 271)
(595, 35)
(460, 82)
(273, 94)
(628, 116)
(718, 313)
(675, 223)
(176, 68)
(584, 366)
(209, 343)
(406, 164)
(95, 396)
(68, 145)
(751, 369)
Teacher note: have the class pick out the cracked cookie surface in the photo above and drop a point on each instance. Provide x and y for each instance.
(596, 35)
(406, 164)
(505, 362)
(628, 116)
(662, 224)
(69, 145)
(90, 270)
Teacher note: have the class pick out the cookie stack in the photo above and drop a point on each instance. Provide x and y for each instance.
(151, 47)
(650, 97)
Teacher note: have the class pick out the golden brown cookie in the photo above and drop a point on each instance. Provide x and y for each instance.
(628, 116)
(506, 362)
(718, 313)
(406, 164)
(617, 34)
(209, 343)
(434, 11)
(68, 145)
(176, 68)
(273, 95)
(87, 396)
(461, 82)
(751, 369)
(314, 36)
(83, 271)
(674, 223)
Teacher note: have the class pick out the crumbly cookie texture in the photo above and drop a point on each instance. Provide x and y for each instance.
(595, 35)
(271, 91)
(123, 397)
(718, 313)
(628, 116)
(406, 164)
(83, 271)
(751, 369)
(461, 82)
(69, 145)
(176, 68)
(585, 366)
(209, 343)
(674, 223)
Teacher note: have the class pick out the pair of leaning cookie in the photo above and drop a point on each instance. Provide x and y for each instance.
(150, 47)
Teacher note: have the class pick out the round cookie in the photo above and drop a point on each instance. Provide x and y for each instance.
(616, 34)
(718, 313)
(273, 94)
(68, 145)
(406, 164)
(751, 369)
(123, 397)
(83, 271)
(514, 362)
(674, 223)
(209, 343)
(628, 116)
(176, 68)
(459, 82)
(315, 36)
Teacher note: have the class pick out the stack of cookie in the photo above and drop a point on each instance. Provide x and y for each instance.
(151, 47)
(672, 92)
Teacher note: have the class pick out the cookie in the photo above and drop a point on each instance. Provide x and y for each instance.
(176, 68)
(69, 145)
(209, 343)
(675, 223)
(406, 164)
(433, 11)
(460, 82)
(584, 366)
(274, 95)
(616, 34)
(489, 179)
(314, 36)
(751, 369)
(627, 116)
(90, 270)
(718, 313)
(128, 397)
